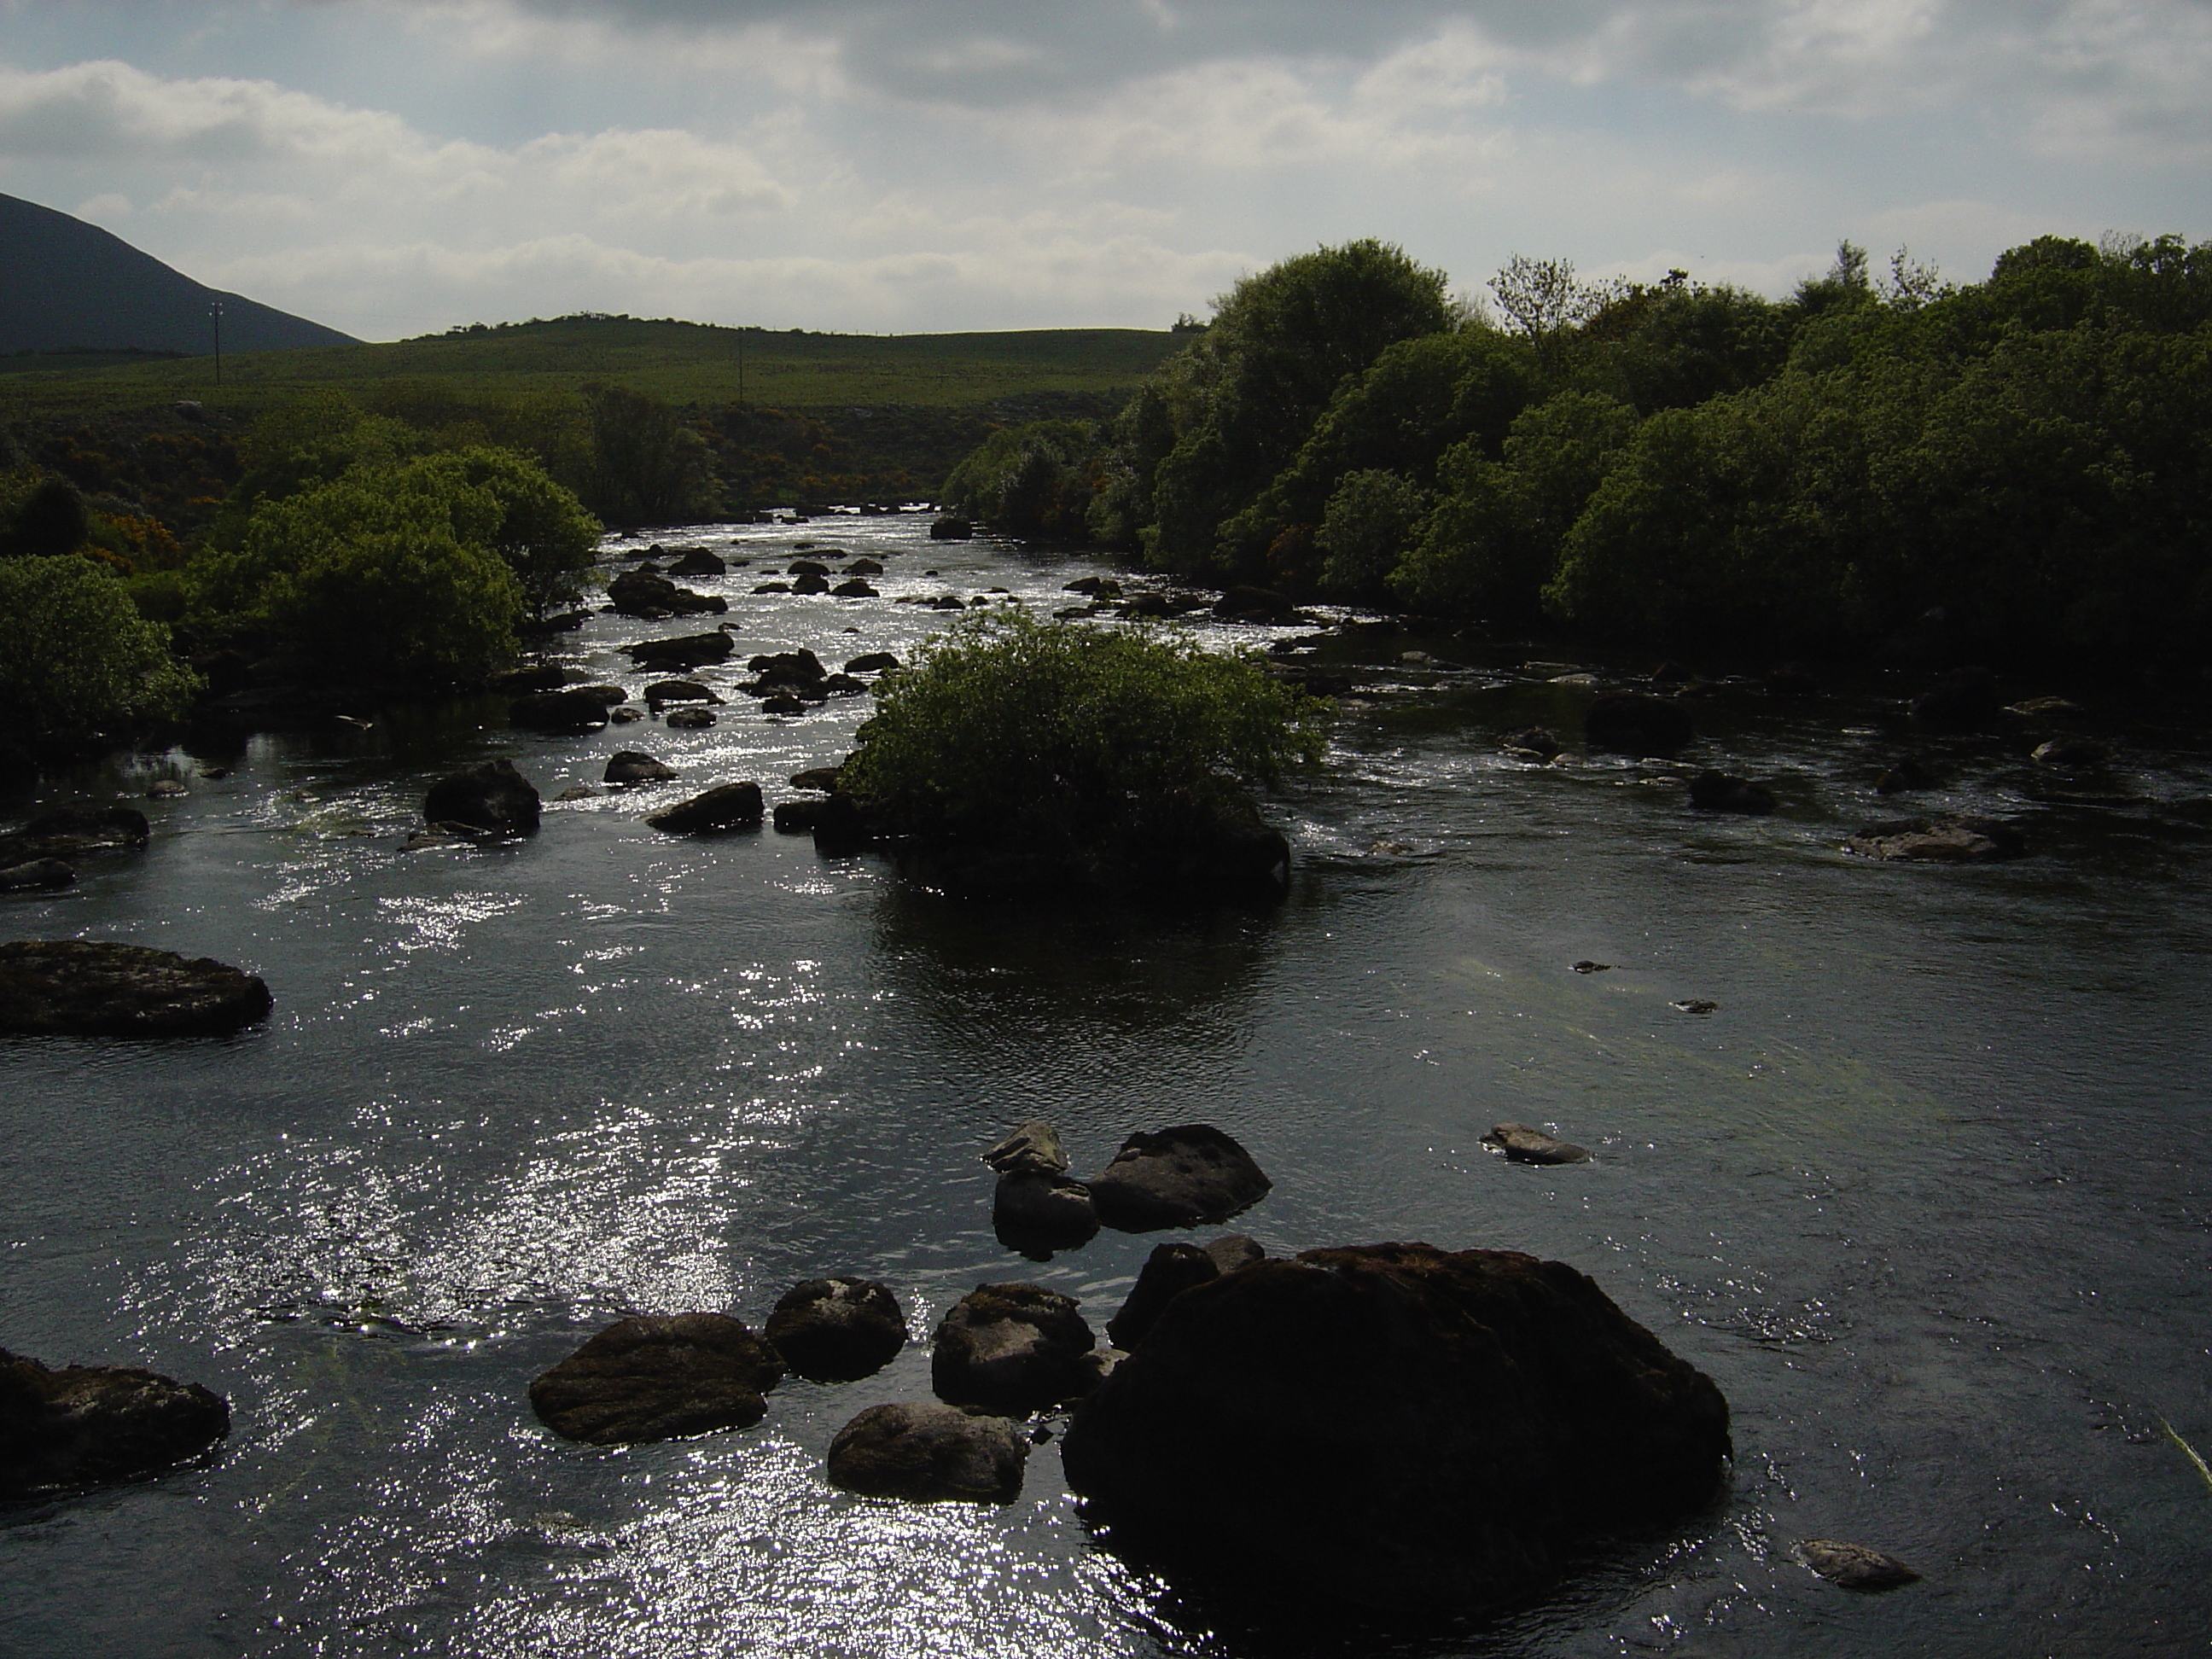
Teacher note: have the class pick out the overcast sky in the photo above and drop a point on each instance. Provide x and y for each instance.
(394, 166)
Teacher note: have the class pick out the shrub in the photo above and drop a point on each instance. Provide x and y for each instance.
(76, 659)
(648, 467)
(1368, 523)
(1029, 480)
(384, 575)
(1073, 740)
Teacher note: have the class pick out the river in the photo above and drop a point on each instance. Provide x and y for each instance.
(1924, 1191)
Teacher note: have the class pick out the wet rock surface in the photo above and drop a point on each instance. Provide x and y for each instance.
(659, 1377)
(635, 765)
(39, 875)
(1719, 792)
(569, 711)
(491, 797)
(83, 1425)
(85, 988)
(1963, 840)
(1185, 1176)
(1012, 1349)
(929, 1453)
(1855, 1566)
(1635, 723)
(1038, 1207)
(1392, 1428)
(837, 1330)
(725, 806)
(1523, 1144)
(70, 831)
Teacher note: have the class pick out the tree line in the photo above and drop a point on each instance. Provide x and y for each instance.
(2018, 465)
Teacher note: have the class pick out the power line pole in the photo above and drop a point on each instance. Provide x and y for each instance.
(217, 312)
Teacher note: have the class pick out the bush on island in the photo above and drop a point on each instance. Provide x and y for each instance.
(76, 659)
(1018, 753)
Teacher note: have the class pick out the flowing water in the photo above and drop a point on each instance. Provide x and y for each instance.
(1924, 1192)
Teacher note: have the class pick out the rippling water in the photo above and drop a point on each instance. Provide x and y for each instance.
(1925, 1194)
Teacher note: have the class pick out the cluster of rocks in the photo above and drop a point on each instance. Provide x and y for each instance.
(1191, 1175)
(492, 800)
(38, 857)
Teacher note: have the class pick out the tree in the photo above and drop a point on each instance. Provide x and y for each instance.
(542, 533)
(76, 659)
(50, 518)
(1031, 480)
(648, 466)
(1368, 525)
(1544, 300)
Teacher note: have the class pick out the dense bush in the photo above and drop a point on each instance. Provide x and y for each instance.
(1070, 739)
(648, 465)
(1364, 530)
(387, 575)
(1031, 480)
(76, 659)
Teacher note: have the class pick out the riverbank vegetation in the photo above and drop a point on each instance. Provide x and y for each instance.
(2012, 470)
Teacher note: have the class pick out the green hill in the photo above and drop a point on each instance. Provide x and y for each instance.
(67, 286)
(682, 362)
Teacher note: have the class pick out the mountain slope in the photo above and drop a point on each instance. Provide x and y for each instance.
(65, 283)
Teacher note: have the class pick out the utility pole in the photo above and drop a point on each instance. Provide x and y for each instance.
(217, 312)
(741, 365)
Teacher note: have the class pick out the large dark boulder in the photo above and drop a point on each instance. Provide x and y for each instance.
(1012, 1349)
(725, 806)
(929, 1454)
(36, 875)
(647, 593)
(559, 712)
(951, 528)
(1637, 723)
(85, 988)
(1169, 1271)
(837, 1330)
(681, 654)
(1185, 1176)
(1254, 604)
(631, 766)
(490, 796)
(658, 1378)
(698, 561)
(84, 1423)
(662, 693)
(872, 662)
(69, 831)
(520, 682)
(1964, 701)
(1036, 1208)
(1393, 1428)
(799, 667)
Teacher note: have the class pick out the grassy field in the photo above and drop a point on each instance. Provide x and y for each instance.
(682, 363)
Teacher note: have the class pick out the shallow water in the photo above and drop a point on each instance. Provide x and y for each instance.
(1923, 1194)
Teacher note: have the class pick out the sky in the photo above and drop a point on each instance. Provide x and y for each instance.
(394, 167)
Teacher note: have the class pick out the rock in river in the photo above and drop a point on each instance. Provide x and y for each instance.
(90, 1423)
(569, 711)
(725, 806)
(837, 1330)
(1855, 1566)
(1635, 723)
(84, 988)
(929, 1454)
(1523, 1144)
(1966, 840)
(490, 796)
(1036, 1208)
(635, 765)
(1169, 1271)
(68, 831)
(37, 875)
(1394, 1428)
(1718, 792)
(1012, 1349)
(658, 1378)
(1185, 1176)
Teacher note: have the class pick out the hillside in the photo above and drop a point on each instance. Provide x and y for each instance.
(66, 285)
(690, 363)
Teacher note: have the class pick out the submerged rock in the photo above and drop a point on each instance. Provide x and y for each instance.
(1855, 1566)
(1637, 723)
(1531, 743)
(725, 806)
(1718, 792)
(37, 875)
(1185, 1176)
(837, 1330)
(69, 831)
(872, 662)
(490, 796)
(1965, 840)
(1965, 700)
(1392, 1427)
(559, 712)
(658, 1378)
(1012, 1349)
(1524, 1144)
(2073, 755)
(84, 988)
(691, 717)
(85, 1423)
(929, 1454)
